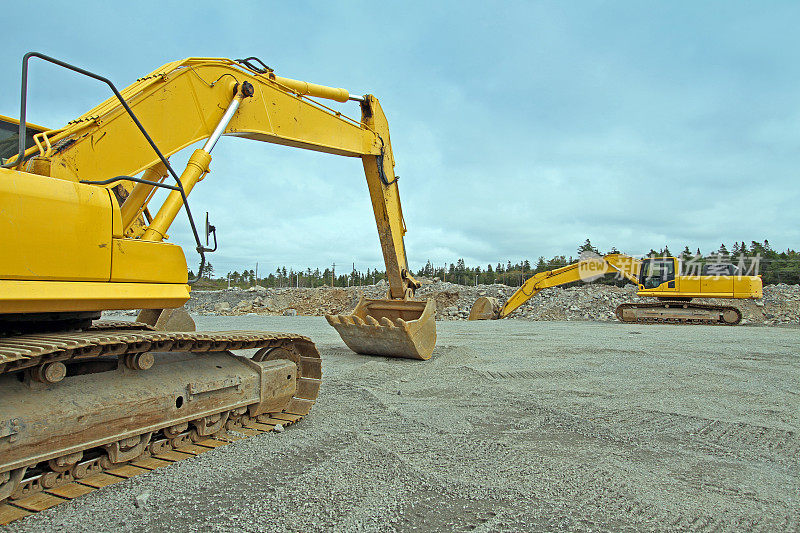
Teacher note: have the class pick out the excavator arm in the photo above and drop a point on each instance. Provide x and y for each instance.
(182, 103)
(586, 269)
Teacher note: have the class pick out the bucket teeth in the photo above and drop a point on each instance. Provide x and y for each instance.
(401, 323)
(386, 322)
(357, 320)
(371, 321)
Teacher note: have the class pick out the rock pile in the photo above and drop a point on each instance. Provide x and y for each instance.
(780, 305)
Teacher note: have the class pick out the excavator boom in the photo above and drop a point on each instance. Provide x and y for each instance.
(587, 269)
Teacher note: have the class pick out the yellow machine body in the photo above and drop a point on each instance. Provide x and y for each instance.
(660, 281)
(67, 252)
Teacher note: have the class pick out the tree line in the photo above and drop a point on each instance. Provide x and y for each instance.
(755, 258)
(283, 277)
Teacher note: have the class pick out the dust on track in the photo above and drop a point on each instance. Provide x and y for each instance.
(512, 425)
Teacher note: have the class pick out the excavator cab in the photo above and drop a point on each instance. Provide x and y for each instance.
(655, 272)
(9, 136)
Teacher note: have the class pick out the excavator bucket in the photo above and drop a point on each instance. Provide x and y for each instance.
(392, 328)
(485, 308)
(168, 319)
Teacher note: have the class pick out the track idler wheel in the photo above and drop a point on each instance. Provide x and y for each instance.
(307, 376)
(140, 361)
(49, 372)
(731, 316)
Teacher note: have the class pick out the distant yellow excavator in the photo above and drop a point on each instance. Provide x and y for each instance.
(86, 402)
(657, 277)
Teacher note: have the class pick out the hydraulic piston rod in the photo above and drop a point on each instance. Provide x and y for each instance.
(245, 91)
(195, 169)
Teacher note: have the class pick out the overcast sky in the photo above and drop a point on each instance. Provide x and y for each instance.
(519, 129)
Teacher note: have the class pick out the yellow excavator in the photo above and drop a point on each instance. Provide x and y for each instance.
(656, 277)
(86, 402)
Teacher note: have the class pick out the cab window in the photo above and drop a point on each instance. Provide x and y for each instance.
(9, 137)
(654, 272)
(719, 269)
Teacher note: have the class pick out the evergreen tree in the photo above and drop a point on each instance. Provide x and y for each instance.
(587, 247)
(756, 259)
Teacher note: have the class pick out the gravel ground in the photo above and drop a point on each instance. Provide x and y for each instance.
(513, 425)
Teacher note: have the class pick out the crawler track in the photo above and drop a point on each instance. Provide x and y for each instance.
(39, 500)
(677, 312)
(49, 483)
(127, 338)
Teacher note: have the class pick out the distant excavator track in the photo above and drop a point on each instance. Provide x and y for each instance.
(678, 312)
(46, 472)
